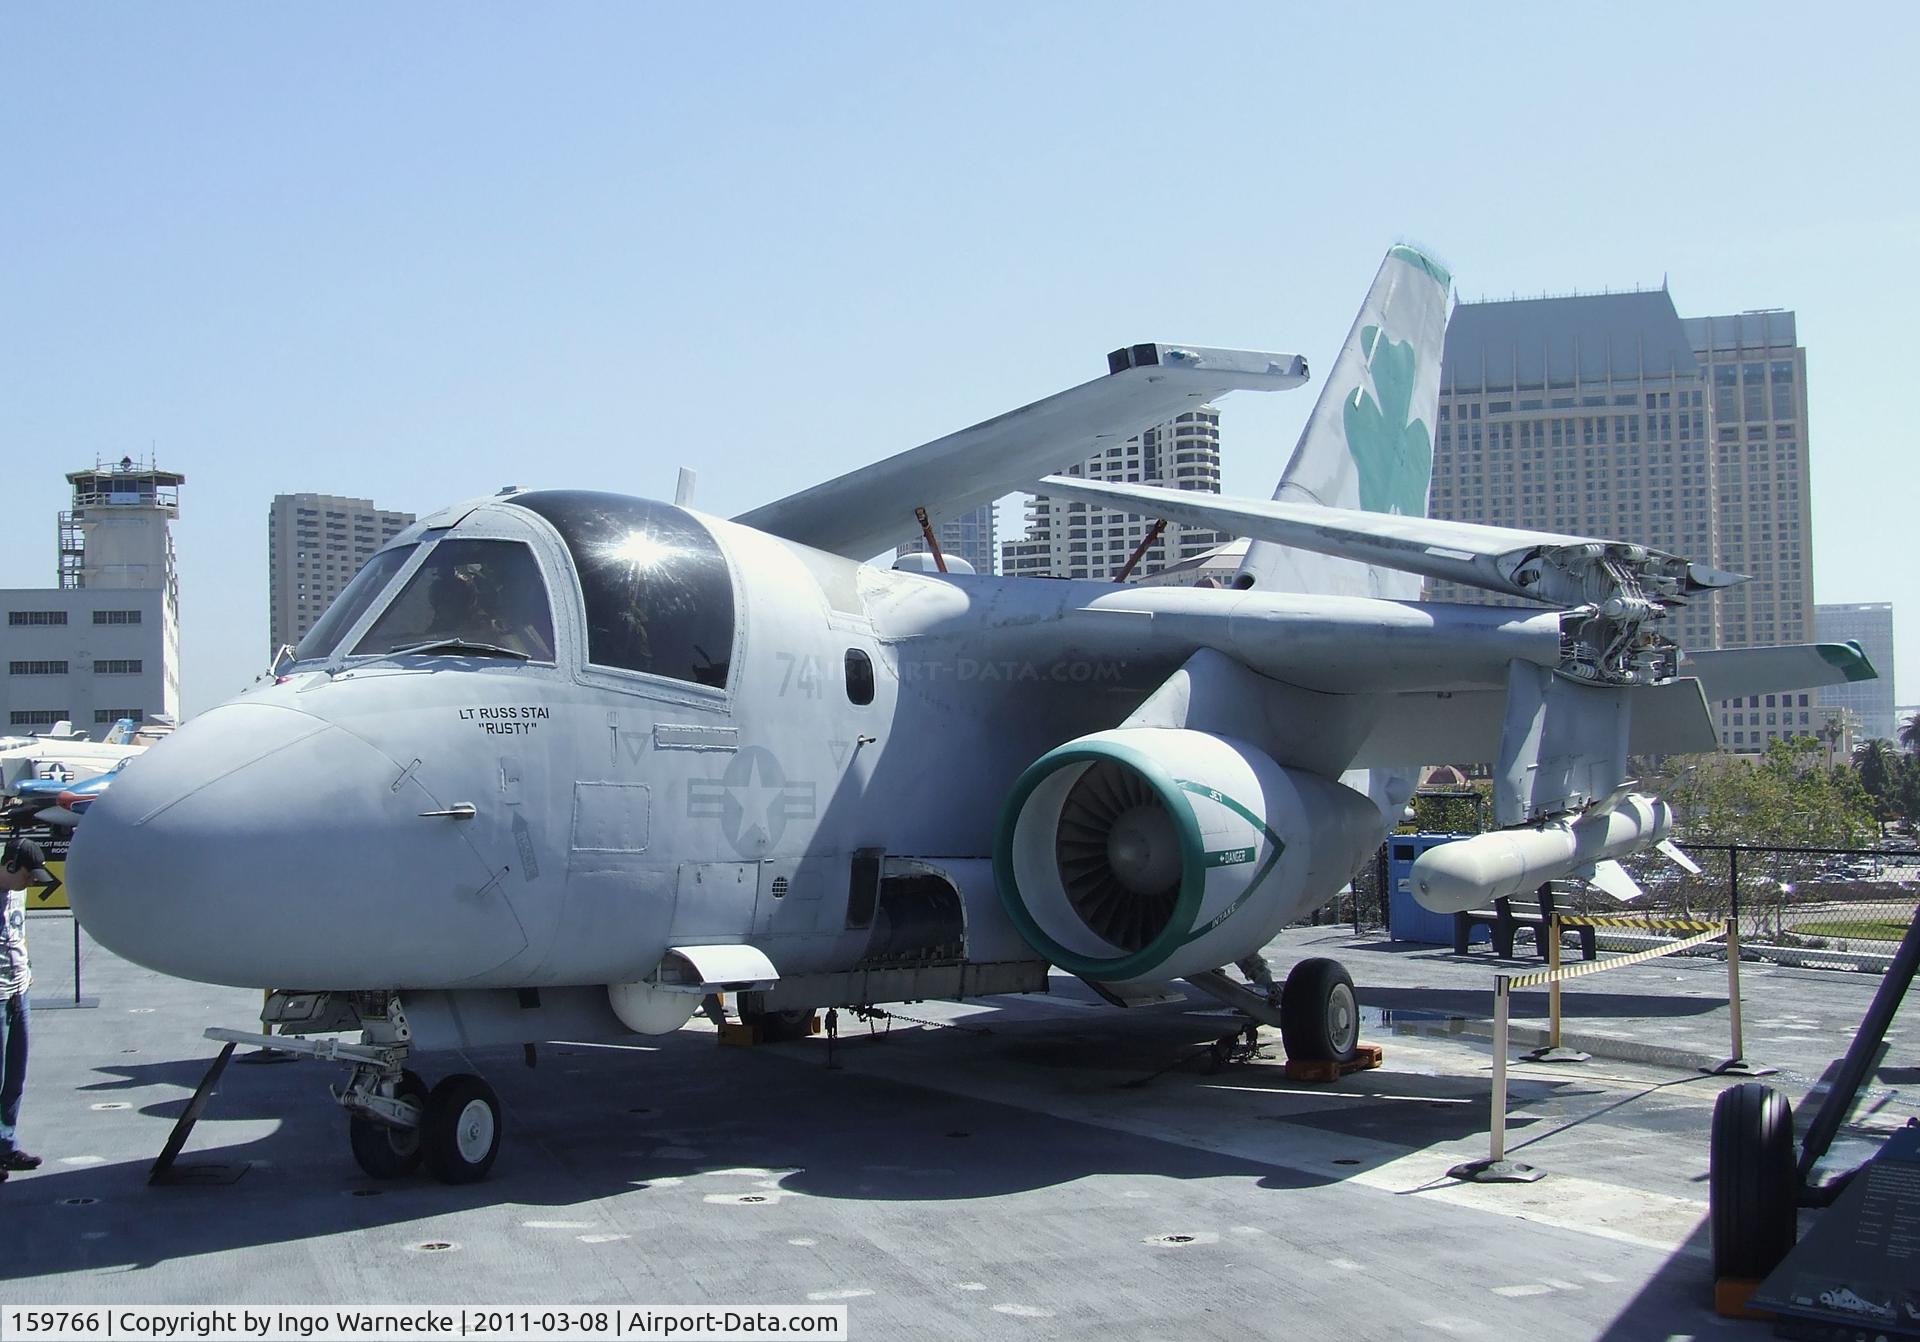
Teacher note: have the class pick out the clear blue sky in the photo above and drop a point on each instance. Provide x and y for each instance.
(416, 252)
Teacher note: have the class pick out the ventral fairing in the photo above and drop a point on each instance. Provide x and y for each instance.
(558, 763)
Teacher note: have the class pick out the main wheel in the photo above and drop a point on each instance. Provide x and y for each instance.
(1319, 1017)
(383, 1151)
(460, 1129)
(1752, 1185)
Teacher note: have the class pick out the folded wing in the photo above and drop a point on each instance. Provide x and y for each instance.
(865, 511)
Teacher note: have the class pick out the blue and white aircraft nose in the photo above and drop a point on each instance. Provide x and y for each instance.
(265, 847)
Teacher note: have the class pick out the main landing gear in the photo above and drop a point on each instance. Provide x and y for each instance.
(1318, 1015)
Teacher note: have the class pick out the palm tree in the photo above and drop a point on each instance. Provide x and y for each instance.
(1878, 766)
(1910, 733)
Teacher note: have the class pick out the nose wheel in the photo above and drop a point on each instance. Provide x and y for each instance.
(460, 1129)
(396, 1124)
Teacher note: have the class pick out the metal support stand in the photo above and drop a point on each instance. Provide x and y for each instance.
(1146, 543)
(933, 541)
(78, 1002)
(1263, 1007)
(1496, 1168)
(163, 1171)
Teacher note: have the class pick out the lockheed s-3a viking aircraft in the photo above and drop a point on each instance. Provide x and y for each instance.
(559, 763)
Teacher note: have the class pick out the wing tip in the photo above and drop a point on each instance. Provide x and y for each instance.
(1850, 658)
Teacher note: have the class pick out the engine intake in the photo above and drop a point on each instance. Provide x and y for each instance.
(1165, 852)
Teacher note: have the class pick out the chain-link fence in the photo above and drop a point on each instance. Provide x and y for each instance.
(1819, 907)
(1361, 905)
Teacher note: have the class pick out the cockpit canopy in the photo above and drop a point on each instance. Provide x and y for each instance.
(654, 585)
(658, 595)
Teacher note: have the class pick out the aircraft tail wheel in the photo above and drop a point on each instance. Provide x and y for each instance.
(1753, 1184)
(460, 1130)
(1319, 1016)
(387, 1152)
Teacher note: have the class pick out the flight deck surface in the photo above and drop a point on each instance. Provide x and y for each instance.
(1029, 1167)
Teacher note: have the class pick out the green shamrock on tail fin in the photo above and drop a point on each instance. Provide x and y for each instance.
(1394, 457)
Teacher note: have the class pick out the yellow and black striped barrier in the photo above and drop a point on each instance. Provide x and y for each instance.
(1643, 921)
(1556, 974)
(1497, 1168)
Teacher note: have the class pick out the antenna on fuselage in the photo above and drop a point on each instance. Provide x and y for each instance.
(683, 492)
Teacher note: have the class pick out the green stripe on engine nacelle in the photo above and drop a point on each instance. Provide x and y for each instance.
(1228, 857)
(1196, 861)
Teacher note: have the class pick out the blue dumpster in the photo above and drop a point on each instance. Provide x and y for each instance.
(1406, 919)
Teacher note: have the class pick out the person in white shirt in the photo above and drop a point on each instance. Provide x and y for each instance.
(23, 864)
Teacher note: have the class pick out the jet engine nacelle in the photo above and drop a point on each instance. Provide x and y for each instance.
(1161, 852)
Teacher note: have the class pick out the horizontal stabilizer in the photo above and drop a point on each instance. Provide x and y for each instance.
(1733, 673)
(1539, 565)
(863, 512)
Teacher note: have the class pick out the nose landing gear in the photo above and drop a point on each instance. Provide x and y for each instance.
(394, 1122)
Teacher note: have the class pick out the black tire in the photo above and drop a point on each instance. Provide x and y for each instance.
(1319, 1015)
(460, 1130)
(1753, 1184)
(781, 1027)
(386, 1152)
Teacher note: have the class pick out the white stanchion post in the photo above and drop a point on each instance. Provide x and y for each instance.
(1737, 1064)
(1496, 1168)
(1733, 985)
(1554, 1052)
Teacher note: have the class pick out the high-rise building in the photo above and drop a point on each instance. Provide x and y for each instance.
(1079, 540)
(103, 644)
(1610, 415)
(1870, 624)
(315, 544)
(1759, 379)
(971, 536)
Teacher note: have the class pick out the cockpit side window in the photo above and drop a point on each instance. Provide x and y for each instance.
(352, 603)
(484, 594)
(658, 594)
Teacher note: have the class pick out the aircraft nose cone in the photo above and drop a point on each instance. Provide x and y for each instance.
(264, 847)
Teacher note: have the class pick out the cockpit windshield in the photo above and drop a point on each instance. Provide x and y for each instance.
(474, 597)
(352, 603)
(658, 594)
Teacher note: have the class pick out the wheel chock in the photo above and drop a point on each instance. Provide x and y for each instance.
(1365, 1058)
(1730, 1296)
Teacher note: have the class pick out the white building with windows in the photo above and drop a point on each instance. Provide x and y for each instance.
(1080, 540)
(105, 643)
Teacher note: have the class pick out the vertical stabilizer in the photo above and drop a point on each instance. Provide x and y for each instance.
(1369, 442)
